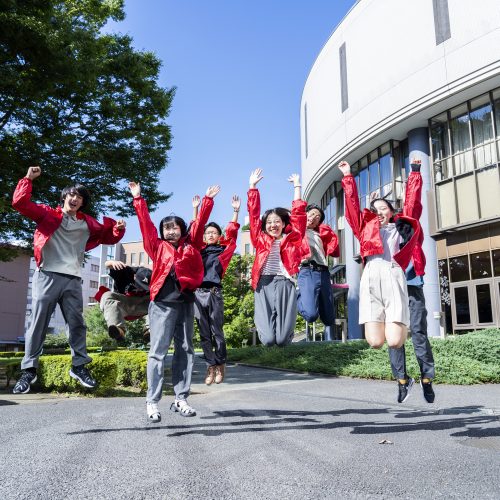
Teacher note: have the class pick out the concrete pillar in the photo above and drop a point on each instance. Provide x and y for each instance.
(418, 147)
(353, 276)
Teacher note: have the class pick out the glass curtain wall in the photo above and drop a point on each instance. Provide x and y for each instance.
(465, 144)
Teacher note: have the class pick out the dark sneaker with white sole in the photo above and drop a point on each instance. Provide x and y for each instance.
(83, 376)
(428, 390)
(404, 389)
(27, 378)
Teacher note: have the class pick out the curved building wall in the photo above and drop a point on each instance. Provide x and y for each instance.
(395, 73)
(390, 71)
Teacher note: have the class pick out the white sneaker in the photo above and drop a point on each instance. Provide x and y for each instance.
(153, 412)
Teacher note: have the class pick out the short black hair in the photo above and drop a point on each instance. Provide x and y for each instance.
(313, 206)
(173, 218)
(215, 225)
(78, 189)
(389, 204)
(282, 213)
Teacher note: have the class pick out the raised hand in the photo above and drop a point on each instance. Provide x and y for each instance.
(236, 202)
(196, 201)
(115, 264)
(295, 179)
(135, 189)
(344, 167)
(212, 191)
(120, 224)
(33, 173)
(255, 177)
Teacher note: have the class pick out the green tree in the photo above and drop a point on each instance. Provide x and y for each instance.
(82, 104)
(238, 301)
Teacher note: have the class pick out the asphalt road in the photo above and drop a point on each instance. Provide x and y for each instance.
(263, 434)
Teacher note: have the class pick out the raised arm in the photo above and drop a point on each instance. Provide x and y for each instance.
(352, 208)
(253, 205)
(21, 199)
(198, 226)
(196, 203)
(235, 203)
(413, 197)
(229, 240)
(295, 180)
(148, 229)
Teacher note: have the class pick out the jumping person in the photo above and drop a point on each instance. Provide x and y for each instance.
(277, 239)
(418, 312)
(314, 296)
(129, 297)
(61, 238)
(177, 272)
(387, 242)
(209, 302)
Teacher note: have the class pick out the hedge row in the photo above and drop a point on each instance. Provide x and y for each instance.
(110, 369)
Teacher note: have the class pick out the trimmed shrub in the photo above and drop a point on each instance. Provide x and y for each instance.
(54, 374)
(130, 368)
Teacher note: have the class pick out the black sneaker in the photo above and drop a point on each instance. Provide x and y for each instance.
(115, 332)
(428, 391)
(27, 378)
(83, 376)
(404, 390)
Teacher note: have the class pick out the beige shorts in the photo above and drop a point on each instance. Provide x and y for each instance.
(383, 293)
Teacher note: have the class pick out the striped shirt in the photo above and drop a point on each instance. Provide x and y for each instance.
(273, 264)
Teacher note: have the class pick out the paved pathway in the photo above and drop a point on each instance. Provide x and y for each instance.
(262, 434)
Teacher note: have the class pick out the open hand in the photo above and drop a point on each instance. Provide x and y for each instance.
(212, 191)
(255, 177)
(135, 189)
(295, 179)
(120, 224)
(236, 202)
(196, 201)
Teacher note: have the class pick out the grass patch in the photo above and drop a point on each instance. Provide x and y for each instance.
(465, 359)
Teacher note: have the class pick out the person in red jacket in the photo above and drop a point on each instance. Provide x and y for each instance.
(277, 239)
(177, 273)
(61, 238)
(388, 242)
(314, 295)
(209, 302)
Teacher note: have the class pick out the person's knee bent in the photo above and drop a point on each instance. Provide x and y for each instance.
(375, 343)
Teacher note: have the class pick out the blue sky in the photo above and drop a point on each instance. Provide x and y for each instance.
(239, 68)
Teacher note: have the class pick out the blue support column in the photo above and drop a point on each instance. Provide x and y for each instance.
(353, 276)
(418, 147)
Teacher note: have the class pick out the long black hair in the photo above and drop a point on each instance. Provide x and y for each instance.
(387, 202)
(177, 220)
(282, 213)
(78, 189)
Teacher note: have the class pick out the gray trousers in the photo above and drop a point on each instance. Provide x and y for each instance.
(167, 321)
(209, 313)
(275, 310)
(50, 289)
(117, 306)
(421, 344)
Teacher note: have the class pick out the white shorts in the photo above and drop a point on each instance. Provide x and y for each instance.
(383, 293)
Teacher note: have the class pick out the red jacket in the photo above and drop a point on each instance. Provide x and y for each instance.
(49, 219)
(290, 248)
(366, 226)
(186, 258)
(329, 239)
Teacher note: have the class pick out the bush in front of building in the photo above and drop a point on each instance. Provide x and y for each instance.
(130, 368)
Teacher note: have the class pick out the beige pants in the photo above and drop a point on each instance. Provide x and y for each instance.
(117, 306)
(383, 293)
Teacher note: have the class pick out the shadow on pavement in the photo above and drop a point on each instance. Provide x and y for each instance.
(280, 420)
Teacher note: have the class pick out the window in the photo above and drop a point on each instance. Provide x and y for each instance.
(92, 300)
(132, 259)
(462, 305)
(94, 284)
(441, 20)
(496, 262)
(94, 268)
(483, 301)
(247, 248)
(465, 161)
(459, 268)
(141, 258)
(480, 264)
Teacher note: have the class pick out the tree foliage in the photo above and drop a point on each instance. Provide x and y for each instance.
(238, 301)
(79, 102)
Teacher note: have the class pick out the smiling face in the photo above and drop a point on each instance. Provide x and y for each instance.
(211, 235)
(383, 211)
(274, 226)
(313, 218)
(72, 203)
(172, 232)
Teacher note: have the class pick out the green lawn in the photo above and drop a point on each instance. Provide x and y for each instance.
(472, 358)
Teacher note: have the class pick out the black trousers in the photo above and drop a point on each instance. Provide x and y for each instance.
(421, 344)
(209, 314)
